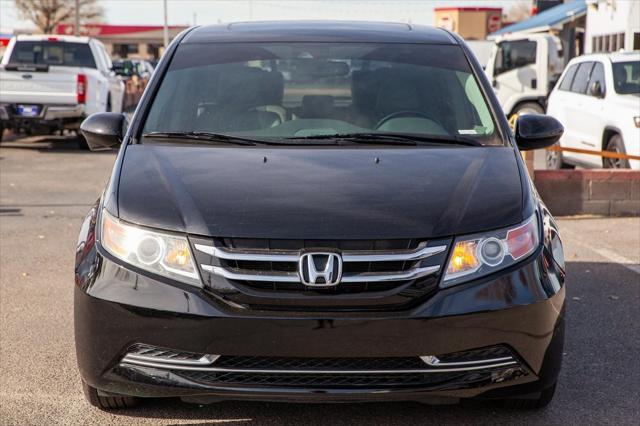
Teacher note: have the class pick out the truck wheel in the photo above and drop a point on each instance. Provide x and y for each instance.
(532, 404)
(108, 402)
(555, 160)
(528, 108)
(615, 144)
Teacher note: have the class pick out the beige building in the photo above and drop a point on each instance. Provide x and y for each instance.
(126, 41)
(472, 23)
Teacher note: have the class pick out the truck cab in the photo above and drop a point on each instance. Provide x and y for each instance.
(523, 70)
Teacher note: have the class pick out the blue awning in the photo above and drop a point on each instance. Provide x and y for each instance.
(543, 21)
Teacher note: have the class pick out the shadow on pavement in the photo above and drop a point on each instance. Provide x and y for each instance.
(596, 384)
(50, 144)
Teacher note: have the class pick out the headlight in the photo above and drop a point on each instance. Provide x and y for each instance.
(163, 254)
(476, 255)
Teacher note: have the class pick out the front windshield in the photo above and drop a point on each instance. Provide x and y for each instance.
(626, 77)
(301, 90)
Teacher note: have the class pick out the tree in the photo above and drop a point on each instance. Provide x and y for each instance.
(47, 14)
(519, 11)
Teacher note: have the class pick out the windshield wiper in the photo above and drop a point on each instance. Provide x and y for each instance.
(207, 137)
(396, 139)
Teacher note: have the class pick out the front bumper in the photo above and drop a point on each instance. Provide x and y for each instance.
(521, 308)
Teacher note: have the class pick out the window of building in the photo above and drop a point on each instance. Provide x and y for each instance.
(123, 50)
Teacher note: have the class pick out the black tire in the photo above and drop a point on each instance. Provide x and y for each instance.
(555, 161)
(108, 402)
(82, 142)
(615, 144)
(532, 404)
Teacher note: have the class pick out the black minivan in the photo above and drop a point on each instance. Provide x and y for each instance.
(319, 212)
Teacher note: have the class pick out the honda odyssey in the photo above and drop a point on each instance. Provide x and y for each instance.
(319, 212)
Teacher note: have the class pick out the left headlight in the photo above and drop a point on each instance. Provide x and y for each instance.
(163, 254)
(476, 255)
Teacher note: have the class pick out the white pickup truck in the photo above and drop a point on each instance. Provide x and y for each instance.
(51, 83)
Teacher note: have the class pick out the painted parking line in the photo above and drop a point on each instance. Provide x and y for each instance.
(605, 253)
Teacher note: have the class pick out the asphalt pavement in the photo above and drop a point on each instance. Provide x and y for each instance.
(47, 186)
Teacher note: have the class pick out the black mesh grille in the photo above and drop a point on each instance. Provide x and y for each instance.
(291, 363)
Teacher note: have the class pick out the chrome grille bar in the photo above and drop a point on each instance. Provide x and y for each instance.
(421, 252)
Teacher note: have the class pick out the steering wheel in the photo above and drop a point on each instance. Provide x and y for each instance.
(401, 114)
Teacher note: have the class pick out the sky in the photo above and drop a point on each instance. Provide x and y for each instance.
(188, 12)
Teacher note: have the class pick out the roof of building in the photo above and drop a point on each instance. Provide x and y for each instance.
(468, 9)
(550, 18)
(320, 31)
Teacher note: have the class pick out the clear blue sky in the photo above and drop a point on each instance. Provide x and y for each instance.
(184, 12)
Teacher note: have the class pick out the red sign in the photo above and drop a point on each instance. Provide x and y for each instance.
(494, 23)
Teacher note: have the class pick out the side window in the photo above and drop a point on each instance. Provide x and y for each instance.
(568, 77)
(597, 76)
(581, 80)
(515, 54)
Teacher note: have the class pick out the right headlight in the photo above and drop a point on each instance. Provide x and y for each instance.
(163, 254)
(476, 255)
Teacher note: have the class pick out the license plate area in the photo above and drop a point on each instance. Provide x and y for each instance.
(28, 110)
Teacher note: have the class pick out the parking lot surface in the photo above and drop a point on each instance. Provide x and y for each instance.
(47, 186)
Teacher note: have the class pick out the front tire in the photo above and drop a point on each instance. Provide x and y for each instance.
(615, 144)
(108, 402)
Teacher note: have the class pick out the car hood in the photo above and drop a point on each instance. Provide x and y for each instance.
(320, 192)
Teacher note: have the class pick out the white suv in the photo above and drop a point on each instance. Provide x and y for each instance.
(598, 102)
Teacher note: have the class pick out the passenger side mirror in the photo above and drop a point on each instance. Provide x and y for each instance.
(536, 131)
(596, 90)
(103, 130)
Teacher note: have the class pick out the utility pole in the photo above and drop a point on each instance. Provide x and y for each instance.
(77, 18)
(166, 26)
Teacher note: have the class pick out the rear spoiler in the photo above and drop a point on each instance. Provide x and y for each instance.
(27, 67)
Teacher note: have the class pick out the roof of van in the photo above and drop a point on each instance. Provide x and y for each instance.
(319, 31)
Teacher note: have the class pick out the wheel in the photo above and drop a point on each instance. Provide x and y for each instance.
(555, 161)
(615, 144)
(82, 142)
(108, 402)
(532, 404)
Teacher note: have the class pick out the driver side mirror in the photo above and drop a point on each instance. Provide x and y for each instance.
(103, 130)
(596, 90)
(535, 131)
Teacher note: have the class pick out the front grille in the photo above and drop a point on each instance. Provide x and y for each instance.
(293, 363)
(454, 370)
(266, 273)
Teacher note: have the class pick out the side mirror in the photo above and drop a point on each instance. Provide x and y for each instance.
(103, 130)
(596, 90)
(535, 131)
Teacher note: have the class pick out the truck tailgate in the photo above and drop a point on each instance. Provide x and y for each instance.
(56, 86)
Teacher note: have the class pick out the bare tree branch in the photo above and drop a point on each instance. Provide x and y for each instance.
(48, 14)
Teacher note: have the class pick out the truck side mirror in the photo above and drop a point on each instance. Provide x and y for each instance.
(596, 90)
(103, 130)
(536, 131)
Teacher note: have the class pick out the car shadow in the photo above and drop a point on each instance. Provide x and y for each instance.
(51, 144)
(602, 343)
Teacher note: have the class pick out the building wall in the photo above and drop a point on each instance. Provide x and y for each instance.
(470, 23)
(612, 25)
